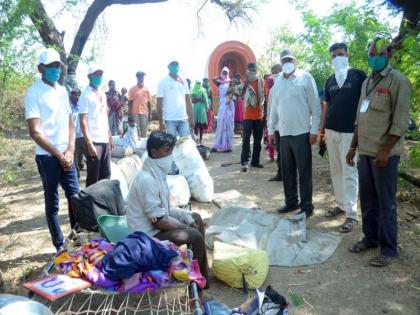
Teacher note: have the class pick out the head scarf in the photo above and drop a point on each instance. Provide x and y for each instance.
(197, 89)
(227, 78)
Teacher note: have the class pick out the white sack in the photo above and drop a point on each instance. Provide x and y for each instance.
(191, 165)
(179, 190)
(116, 173)
(130, 166)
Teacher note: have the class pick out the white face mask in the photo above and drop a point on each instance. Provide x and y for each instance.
(275, 75)
(165, 163)
(341, 65)
(288, 67)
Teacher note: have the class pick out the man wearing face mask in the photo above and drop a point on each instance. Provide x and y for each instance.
(148, 205)
(381, 122)
(95, 128)
(252, 91)
(275, 73)
(174, 103)
(295, 112)
(49, 117)
(342, 93)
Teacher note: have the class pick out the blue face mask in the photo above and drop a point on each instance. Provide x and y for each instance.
(377, 63)
(52, 74)
(173, 69)
(96, 81)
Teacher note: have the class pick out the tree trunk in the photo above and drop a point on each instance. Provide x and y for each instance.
(415, 181)
(52, 37)
(86, 27)
(46, 28)
(409, 25)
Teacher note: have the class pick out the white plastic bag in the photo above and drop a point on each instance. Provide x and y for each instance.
(130, 166)
(179, 190)
(116, 173)
(120, 150)
(191, 165)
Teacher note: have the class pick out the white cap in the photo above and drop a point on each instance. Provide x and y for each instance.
(94, 68)
(49, 56)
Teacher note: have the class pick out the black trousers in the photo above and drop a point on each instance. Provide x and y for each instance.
(254, 128)
(277, 136)
(296, 157)
(99, 167)
(378, 189)
(80, 152)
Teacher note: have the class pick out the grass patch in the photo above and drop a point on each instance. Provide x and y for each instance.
(297, 299)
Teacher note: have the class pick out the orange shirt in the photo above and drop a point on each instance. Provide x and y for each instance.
(140, 98)
(254, 113)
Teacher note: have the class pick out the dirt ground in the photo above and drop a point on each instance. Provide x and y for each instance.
(344, 285)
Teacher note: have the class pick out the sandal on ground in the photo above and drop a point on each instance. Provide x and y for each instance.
(347, 226)
(331, 213)
(359, 247)
(381, 261)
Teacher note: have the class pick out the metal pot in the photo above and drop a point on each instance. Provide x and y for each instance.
(19, 305)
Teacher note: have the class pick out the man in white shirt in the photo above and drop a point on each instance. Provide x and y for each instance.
(174, 103)
(296, 114)
(95, 128)
(49, 117)
(148, 206)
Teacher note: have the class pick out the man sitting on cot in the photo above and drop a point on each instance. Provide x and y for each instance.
(148, 208)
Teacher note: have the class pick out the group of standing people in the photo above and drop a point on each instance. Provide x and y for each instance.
(365, 118)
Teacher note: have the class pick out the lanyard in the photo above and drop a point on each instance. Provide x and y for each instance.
(367, 84)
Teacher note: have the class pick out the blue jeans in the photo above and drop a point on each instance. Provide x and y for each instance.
(52, 174)
(378, 189)
(179, 128)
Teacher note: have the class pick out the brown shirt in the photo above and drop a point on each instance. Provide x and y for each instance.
(387, 112)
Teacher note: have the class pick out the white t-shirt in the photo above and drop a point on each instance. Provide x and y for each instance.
(173, 93)
(93, 103)
(51, 105)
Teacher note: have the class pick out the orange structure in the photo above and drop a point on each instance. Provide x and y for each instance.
(232, 54)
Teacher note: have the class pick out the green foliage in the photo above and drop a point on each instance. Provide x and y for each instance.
(297, 300)
(356, 25)
(415, 156)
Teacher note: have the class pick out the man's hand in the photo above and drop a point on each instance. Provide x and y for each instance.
(153, 220)
(350, 156)
(150, 117)
(381, 159)
(192, 125)
(91, 150)
(67, 160)
(313, 139)
(271, 140)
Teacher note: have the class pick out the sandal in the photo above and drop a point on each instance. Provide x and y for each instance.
(331, 213)
(347, 225)
(359, 247)
(381, 261)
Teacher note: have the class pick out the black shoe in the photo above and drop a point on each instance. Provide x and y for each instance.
(309, 213)
(244, 168)
(276, 178)
(286, 209)
(259, 165)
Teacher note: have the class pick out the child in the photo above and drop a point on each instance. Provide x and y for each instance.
(130, 135)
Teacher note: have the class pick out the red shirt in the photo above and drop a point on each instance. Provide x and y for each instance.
(254, 113)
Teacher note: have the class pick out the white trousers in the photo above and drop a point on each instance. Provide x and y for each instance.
(344, 178)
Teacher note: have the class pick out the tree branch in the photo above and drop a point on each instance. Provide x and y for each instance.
(45, 27)
(86, 27)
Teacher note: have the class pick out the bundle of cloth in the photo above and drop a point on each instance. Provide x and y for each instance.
(136, 264)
